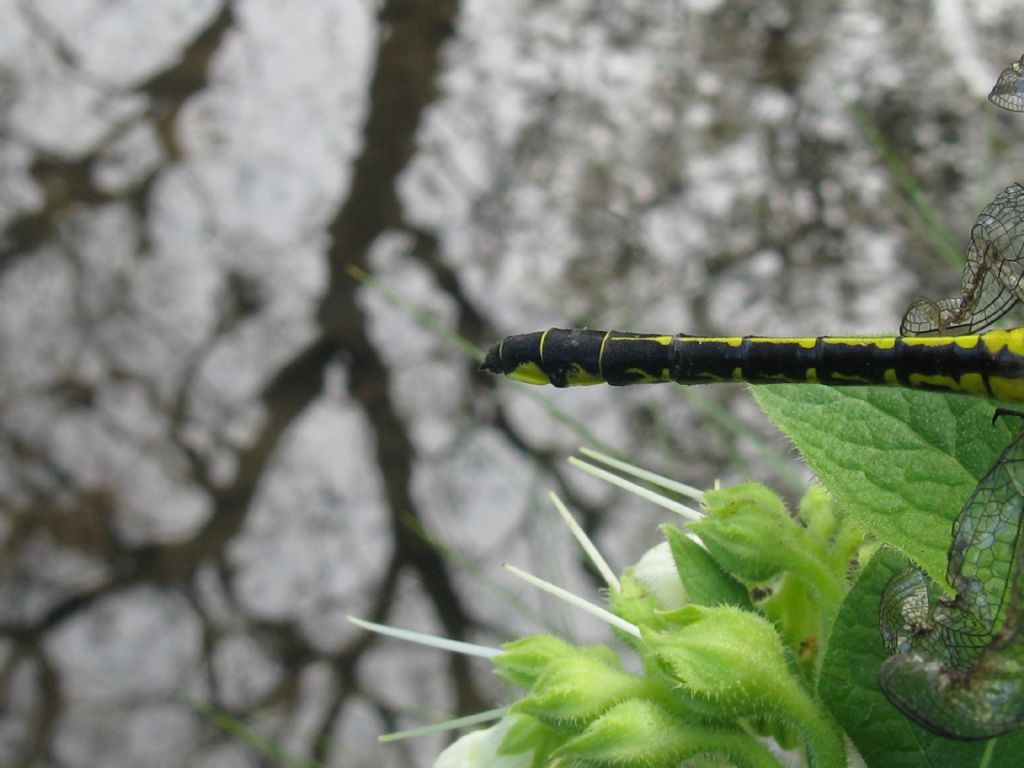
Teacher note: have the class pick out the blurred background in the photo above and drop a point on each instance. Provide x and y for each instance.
(216, 441)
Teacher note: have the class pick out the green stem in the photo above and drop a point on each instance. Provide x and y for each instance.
(820, 578)
(986, 756)
(823, 737)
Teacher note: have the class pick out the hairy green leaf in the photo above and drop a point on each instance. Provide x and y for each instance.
(902, 463)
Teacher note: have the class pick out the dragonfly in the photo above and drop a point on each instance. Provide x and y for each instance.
(957, 664)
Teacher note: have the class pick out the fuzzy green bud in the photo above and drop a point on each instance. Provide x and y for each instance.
(646, 735)
(749, 532)
(526, 660)
(733, 660)
(578, 690)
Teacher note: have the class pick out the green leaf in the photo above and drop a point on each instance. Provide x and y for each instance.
(704, 580)
(900, 462)
(849, 686)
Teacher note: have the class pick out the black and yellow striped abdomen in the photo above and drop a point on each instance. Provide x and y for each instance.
(989, 364)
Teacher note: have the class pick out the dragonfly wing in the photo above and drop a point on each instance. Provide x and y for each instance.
(985, 702)
(952, 671)
(986, 537)
(1008, 91)
(993, 278)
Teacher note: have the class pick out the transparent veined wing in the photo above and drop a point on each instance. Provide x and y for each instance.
(958, 663)
(993, 278)
(1008, 92)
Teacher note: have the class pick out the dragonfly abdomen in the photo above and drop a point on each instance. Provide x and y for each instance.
(990, 364)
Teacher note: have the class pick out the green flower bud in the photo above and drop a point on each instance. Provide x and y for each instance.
(578, 690)
(646, 735)
(527, 659)
(734, 661)
(749, 532)
(730, 657)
